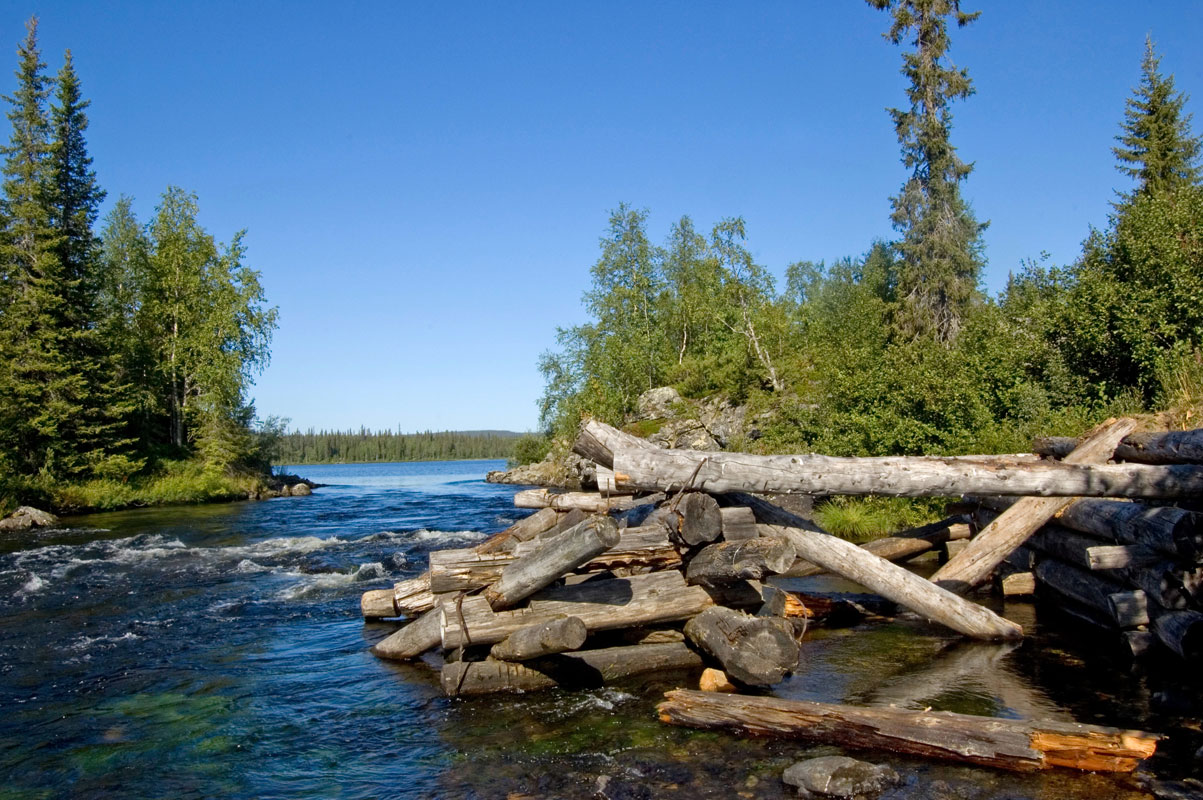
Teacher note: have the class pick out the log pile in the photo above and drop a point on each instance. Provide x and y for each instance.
(671, 567)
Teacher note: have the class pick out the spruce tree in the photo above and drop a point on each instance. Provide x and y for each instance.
(1156, 145)
(940, 249)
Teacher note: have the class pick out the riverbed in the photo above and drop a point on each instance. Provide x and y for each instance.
(218, 651)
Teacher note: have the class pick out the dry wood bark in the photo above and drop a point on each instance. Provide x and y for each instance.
(1170, 447)
(901, 546)
(1019, 745)
(751, 559)
(553, 558)
(1126, 608)
(756, 651)
(581, 670)
(974, 564)
(601, 604)
(543, 639)
(880, 576)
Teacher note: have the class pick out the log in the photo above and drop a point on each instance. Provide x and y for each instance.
(698, 519)
(1173, 531)
(1127, 608)
(589, 502)
(756, 651)
(1182, 632)
(880, 576)
(832, 609)
(465, 570)
(378, 604)
(1012, 528)
(1018, 745)
(523, 530)
(1169, 447)
(414, 639)
(1089, 553)
(639, 600)
(750, 559)
(901, 546)
(554, 558)
(544, 639)
(1165, 583)
(651, 470)
(585, 669)
(739, 523)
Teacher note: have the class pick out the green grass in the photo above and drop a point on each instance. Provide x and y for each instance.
(862, 519)
(170, 483)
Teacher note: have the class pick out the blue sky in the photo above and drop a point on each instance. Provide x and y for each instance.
(424, 184)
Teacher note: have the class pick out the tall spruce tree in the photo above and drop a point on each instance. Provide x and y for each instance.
(1156, 145)
(940, 249)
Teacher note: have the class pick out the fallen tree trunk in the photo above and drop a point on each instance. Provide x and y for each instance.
(1089, 553)
(585, 669)
(901, 546)
(1018, 745)
(698, 519)
(667, 470)
(1174, 531)
(1128, 608)
(738, 524)
(1170, 447)
(880, 576)
(639, 600)
(414, 639)
(1167, 584)
(1182, 632)
(831, 609)
(749, 559)
(589, 502)
(756, 651)
(544, 639)
(554, 557)
(974, 564)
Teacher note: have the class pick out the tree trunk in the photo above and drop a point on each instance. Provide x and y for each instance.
(1019, 745)
(900, 546)
(738, 524)
(585, 669)
(554, 558)
(639, 600)
(880, 576)
(667, 470)
(1127, 608)
(1171, 447)
(597, 441)
(521, 531)
(974, 564)
(749, 559)
(544, 639)
(588, 502)
(414, 639)
(756, 651)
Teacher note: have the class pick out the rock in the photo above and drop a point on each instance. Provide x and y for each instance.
(300, 490)
(27, 517)
(560, 469)
(715, 680)
(657, 403)
(723, 420)
(839, 776)
(684, 434)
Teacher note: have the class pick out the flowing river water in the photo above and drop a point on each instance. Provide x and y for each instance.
(217, 651)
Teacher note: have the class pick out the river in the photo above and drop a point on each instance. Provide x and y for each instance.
(217, 651)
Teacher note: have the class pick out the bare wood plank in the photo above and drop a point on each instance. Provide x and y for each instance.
(1018, 745)
(1012, 528)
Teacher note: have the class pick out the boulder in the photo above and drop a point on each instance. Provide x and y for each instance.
(300, 490)
(27, 517)
(684, 434)
(839, 776)
(657, 403)
(723, 420)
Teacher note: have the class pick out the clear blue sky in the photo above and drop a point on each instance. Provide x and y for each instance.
(424, 184)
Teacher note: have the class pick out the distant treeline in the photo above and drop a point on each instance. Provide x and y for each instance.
(326, 447)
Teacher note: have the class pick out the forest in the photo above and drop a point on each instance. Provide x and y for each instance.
(126, 347)
(899, 350)
(345, 447)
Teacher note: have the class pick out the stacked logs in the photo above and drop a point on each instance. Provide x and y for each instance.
(669, 567)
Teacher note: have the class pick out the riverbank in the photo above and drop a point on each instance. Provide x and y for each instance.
(184, 482)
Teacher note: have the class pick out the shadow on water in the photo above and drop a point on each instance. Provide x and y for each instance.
(218, 651)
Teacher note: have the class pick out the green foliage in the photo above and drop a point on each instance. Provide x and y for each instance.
(530, 448)
(862, 519)
(326, 447)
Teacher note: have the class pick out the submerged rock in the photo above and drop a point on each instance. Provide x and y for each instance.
(300, 490)
(27, 517)
(839, 776)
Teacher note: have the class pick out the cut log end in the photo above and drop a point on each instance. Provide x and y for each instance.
(379, 604)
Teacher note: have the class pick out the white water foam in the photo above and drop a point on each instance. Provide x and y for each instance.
(34, 584)
(91, 642)
(314, 583)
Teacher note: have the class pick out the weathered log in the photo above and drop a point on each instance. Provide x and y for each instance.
(1088, 552)
(739, 523)
(698, 519)
(523, 530)
(751, 559)
(378, 604)
(465, 570)
(901, 546)
(1169, 447)
(567, 519)
(601, 604)
(1128, 608)
(597, 441)
(1167, 584)
(555, 557)
(589, 502)
(638, 468)
(831, 609)
(1019, 745)
(880, 576)
(1017, 584)
(1182, 632)
(585, 669)
(543, 639)
(1012, 528)
(756, 651)
(414, 639)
